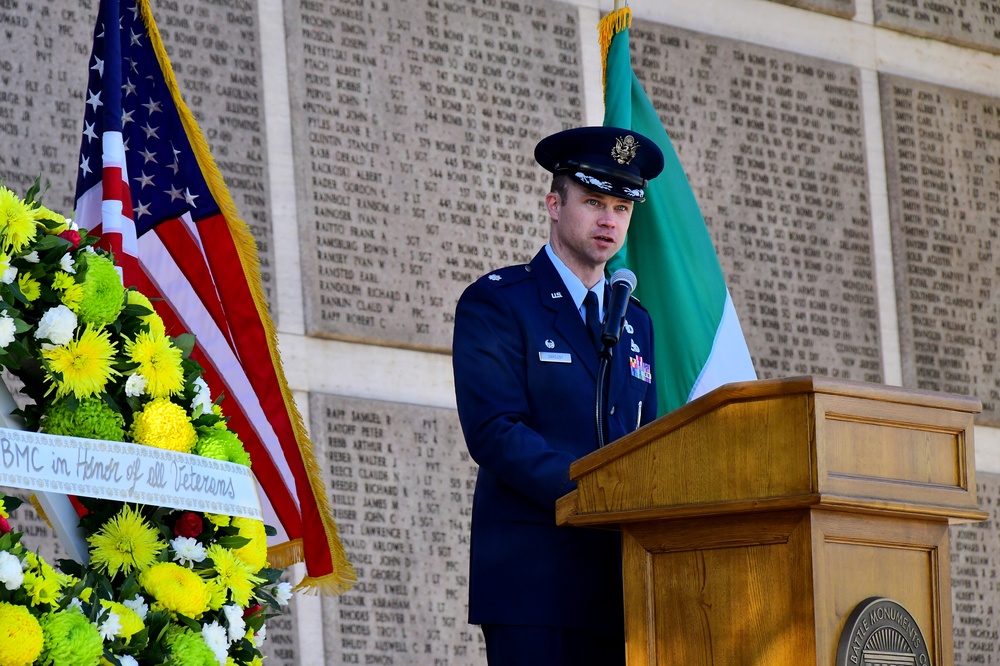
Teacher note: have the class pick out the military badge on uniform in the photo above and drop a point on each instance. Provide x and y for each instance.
(556, 294)
(639, 369)
(635, 347)
(625, 149)
(550, 344)
(628, 328)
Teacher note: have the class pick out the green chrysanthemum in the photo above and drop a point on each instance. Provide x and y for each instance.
(221, 444)
(17, 222)
(124, 543)
(190, 649)
(70, 640)
(159, 362)
(152, 320)
(103, 292)
(20, 636)
(92, 419)
(84, 364)
(164, 425)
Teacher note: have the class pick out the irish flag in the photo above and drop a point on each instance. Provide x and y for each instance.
(699, 342)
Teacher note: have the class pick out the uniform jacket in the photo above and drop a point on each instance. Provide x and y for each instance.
(525, 420)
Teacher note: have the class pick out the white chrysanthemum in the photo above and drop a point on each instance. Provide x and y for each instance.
(127, 660)
(7, 330)
(11, 574)
(66, 263)
(260, 636)
(187, 550)
(77, 604)
(202, 402)
(57, 326)
(214, 636)
(32, 257)
(237, 626)
(283, 593)
(9, 275)
(111, 627)
(72, 225)
(138, 605)
(135, 385)
(90, 249)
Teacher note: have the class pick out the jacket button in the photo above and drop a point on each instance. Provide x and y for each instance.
(612, 410)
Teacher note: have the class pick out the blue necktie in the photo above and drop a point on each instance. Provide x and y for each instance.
(593, 319)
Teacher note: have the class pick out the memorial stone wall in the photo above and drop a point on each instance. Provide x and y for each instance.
(412, 126)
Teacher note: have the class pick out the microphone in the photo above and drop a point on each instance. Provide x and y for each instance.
(622, 283)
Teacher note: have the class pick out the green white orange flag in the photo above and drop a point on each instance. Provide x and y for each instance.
(699, 341)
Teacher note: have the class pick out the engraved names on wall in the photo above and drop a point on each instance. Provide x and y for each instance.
(401, 484)
(975, 585)
(942, 150)
(414, 126)
(841, 8)
(215, 55)
(773, 144)
(974, 23)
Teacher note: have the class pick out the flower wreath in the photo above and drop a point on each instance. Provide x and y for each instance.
(162, 586)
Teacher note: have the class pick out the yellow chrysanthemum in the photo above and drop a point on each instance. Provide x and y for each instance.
(176, 588)
(232, 574)
(219, 594)
(29, 286)
(159, 362)
(17, 222)
(130, 621)
(3, 510)
(254, 554)
(152, 320)
(43, 213)
(164, 425)
(40, 589)
(124, 543)
(71, 291)
(20, 636)
(218, 519)
(84, 364)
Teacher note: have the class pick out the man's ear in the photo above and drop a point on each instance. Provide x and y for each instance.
(552, 204)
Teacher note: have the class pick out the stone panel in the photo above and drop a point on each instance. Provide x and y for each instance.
(841, 8)
(964, 22)
(215, 54)
(414, 126)
(774, 146)
(975, 585)
(401, 484)
(942, 147)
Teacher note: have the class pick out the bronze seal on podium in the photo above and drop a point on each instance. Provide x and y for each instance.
(880, 632)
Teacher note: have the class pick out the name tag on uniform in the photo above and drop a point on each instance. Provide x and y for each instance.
(553, 357)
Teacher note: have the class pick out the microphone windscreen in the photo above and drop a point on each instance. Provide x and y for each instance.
(624, 275)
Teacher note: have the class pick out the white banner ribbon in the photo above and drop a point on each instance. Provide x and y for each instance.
(127, 473)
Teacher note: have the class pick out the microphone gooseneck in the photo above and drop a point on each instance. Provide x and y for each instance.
(623, 282)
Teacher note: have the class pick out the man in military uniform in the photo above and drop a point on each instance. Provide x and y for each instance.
(526, 366)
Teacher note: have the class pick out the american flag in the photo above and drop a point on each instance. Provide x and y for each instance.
(149, 187)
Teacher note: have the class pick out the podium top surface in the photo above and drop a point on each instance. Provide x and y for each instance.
(791, 442)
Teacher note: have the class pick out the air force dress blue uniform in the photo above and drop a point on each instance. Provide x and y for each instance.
(525, 370)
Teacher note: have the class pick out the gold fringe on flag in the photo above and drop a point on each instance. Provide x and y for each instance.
(607, 28)
(343, 576)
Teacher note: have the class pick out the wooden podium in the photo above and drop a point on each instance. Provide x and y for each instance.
(756, 518)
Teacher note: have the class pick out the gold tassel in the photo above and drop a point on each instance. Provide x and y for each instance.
(39, 510)
(343, 576)
(607, 28)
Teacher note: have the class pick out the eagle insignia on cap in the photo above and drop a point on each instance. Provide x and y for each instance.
(625, 149)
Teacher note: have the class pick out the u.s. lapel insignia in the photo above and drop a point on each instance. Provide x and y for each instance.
(640, 369)
(556, 294)
(635, 347)
(550, 344)
(495, 277)
(628, 328)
